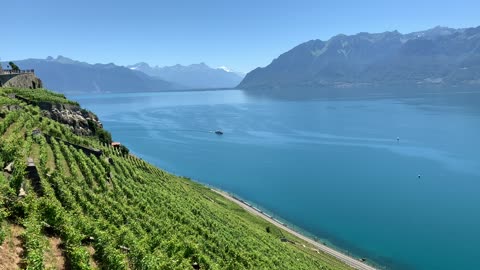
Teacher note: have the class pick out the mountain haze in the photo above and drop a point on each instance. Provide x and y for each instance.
(193, 76)
(436, 57)
(70, 76)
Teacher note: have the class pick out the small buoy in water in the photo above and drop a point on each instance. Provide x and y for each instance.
(398, 139)
(419, 176)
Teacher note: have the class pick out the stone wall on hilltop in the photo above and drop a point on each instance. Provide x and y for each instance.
(24, 80)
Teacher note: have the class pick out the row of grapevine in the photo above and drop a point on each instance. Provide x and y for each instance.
(130, 213)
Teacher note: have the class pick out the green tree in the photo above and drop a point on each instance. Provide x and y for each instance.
(14, 67)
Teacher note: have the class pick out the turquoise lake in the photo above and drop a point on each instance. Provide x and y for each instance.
(333, 167)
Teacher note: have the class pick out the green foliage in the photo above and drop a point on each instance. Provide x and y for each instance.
(103, 135)
(8, 101)
(14, 67)
(7, 196)
(123, 150)
(79, 259)
(8, 120)
(134, 215)
(34, 241)
(2, 232)
(39, 95)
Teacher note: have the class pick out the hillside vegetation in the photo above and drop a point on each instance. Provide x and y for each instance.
(116, 211)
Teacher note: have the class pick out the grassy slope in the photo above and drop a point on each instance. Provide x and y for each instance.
(130, 213)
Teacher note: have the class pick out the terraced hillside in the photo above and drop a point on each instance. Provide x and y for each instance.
(74, 208)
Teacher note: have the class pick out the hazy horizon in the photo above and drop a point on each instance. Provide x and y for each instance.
(240, 36)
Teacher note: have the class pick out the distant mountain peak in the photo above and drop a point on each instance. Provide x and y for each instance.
(224, 68)
(139, 65)
(434, 32)
(64, 60)
(440, 55)
(199, 65)
(198, 75)
(142, 64)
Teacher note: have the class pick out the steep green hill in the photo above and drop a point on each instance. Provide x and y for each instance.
(116, 211)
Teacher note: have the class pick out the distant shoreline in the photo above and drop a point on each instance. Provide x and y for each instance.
(153, 91)
(300, 97)
(349, 260)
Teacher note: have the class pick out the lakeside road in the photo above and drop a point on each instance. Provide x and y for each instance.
(355, 263)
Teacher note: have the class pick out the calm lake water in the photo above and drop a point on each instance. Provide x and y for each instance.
(334, 168)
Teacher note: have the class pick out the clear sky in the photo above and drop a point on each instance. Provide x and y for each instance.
(240, 34)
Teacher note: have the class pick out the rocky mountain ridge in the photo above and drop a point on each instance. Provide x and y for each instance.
(193, 76)
(438, 57)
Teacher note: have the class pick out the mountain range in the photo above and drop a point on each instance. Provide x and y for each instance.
(193, 76)
(74, 77)
(438, 57)
(70, 76)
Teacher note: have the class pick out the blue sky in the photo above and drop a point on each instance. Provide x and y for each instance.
(238, 34)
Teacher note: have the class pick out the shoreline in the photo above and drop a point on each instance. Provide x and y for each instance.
(350, 261)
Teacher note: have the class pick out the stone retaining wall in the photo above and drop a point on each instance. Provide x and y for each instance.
(25, 80)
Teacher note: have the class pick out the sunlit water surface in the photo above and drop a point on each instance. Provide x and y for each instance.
(333, 168)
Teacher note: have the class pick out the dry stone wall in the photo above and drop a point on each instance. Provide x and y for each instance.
(26, 80)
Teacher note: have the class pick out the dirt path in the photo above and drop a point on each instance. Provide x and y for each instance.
(54, 256)
(91, 251)
(11, 251)
(355, 263)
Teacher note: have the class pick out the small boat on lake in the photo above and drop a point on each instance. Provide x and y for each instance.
(218, 132)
